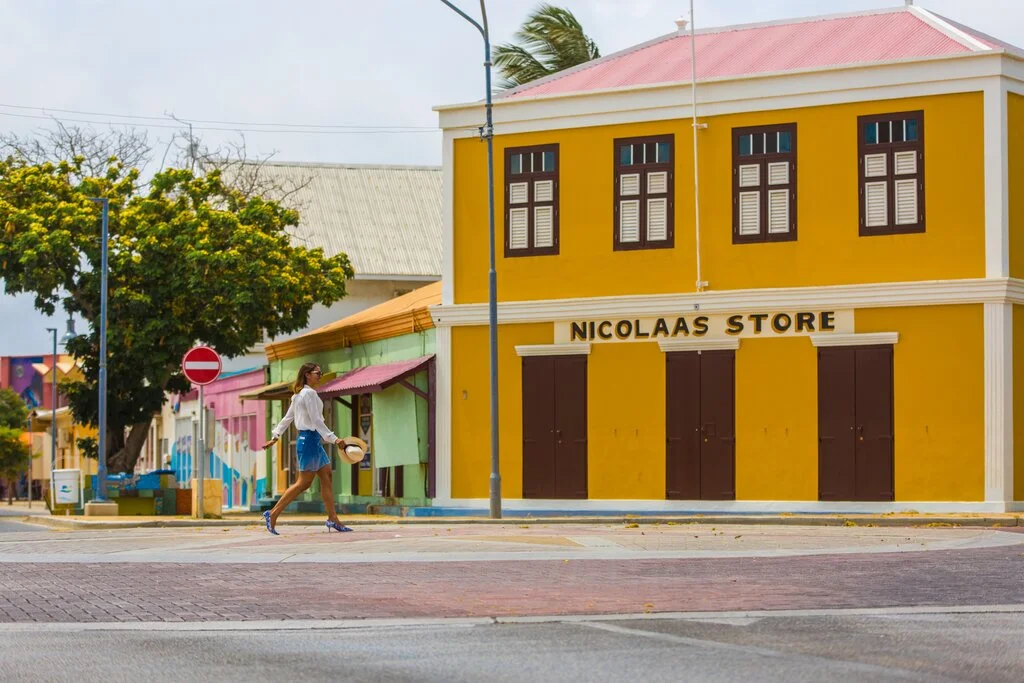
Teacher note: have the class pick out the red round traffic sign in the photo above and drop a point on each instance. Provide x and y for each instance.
(201, 365)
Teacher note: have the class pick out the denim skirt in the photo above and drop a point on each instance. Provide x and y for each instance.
(309, 451)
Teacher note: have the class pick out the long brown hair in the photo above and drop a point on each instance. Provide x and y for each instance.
(300, 379)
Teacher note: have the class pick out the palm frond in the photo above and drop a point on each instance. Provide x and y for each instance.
(550, 40)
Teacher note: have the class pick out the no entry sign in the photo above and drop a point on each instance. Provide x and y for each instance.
(201, 365)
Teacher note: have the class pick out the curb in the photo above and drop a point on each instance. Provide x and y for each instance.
(72, 523)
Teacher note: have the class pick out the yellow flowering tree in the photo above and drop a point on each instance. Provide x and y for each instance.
(191, 259)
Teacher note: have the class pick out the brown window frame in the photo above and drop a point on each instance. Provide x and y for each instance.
(530, 177)
(763, 159)
(643, 168)
(890, 148)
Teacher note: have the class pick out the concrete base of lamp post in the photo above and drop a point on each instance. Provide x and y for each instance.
(97, 508)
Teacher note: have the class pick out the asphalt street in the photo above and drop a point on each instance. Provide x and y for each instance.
(879, 646)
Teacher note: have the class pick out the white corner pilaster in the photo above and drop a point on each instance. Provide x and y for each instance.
(999, 403)
(448, 218)
(443, 426)
(997, 201)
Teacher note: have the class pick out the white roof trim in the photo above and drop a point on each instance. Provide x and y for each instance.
(699, 345)
(554, 350)
(738, 78)
(862, 339)
(953, 32)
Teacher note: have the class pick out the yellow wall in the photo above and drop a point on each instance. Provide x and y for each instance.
(827, 213)
(938, 411)
(939, 399)
(1015, 121)
(777, 420)
(1018, 403)
(626, 421)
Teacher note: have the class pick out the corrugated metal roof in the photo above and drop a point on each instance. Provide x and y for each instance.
(818, 42)
(372, 378)
(386, 218)
(401, 315)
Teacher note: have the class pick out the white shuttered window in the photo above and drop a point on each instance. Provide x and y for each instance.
(531, 200)
(644, 192)
(764, 184)
(891, 162)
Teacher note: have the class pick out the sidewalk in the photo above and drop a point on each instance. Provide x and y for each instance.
(244, 519)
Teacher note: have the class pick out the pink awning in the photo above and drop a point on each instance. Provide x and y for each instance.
(373, 378)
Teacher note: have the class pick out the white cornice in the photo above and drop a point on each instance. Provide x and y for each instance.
(863, 339)
(880, 295)
(553, 350)
(668, 346)
(723, 95)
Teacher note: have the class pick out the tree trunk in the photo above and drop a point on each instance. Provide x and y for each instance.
(125, 451)
(10, 491)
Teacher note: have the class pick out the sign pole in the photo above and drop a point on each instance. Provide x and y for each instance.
(201, 453)
(201, 366)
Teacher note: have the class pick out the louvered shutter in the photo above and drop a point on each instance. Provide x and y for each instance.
(629, 184)
(778, 211)
(876, 204)
(876, 165)
(906, 202)
(544, 226)
(519, 228)
(750, 213)
(750, 200)
(544, 191)
(657, 219)
(629, 220)
(518, 193)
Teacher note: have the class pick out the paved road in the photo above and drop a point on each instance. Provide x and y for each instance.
(239, 574)
(932, 647)
(514, 602)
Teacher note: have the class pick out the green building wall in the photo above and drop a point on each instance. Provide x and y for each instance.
(342, 360)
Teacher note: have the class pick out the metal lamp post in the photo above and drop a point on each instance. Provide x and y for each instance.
(487, 133)
(53, 422)
(100, 495)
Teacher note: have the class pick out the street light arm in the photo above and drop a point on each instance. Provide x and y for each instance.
(482, 29)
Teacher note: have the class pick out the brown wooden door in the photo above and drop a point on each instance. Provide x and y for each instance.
(700, 459)
(571, 426)
(874, 424)
(682, 426)
(855, 424)
(555, 427)
(836, 423)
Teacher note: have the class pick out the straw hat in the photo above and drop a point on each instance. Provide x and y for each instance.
(353, 451)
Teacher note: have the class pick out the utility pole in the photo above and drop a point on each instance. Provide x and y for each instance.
(487, 133)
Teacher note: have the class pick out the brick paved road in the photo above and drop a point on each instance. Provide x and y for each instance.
(54, 592)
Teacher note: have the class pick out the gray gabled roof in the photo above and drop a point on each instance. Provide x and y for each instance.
(386, 218)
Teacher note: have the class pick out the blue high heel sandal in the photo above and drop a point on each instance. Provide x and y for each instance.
(266, 518)
(335, 526)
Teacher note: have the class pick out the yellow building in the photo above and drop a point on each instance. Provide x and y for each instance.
(800, 297)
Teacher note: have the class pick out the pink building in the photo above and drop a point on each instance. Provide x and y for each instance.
(237, 429)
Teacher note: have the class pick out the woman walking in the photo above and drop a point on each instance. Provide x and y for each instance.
(307, 412)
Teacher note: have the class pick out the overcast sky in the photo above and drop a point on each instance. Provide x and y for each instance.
(320, 62)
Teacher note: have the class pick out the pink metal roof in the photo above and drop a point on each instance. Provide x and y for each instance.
(746, 50)
(372, 378)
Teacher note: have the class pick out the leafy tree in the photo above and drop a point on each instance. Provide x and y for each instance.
(191, 259)
(13, 411)
(550, 40)
(15, 456)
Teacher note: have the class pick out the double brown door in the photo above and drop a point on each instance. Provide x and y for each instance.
(700, 460)
(855, 423)
(555, 427)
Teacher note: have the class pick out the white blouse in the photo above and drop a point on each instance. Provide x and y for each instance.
(307, 412)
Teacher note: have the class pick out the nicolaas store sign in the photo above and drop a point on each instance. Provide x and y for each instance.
(697, 326)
